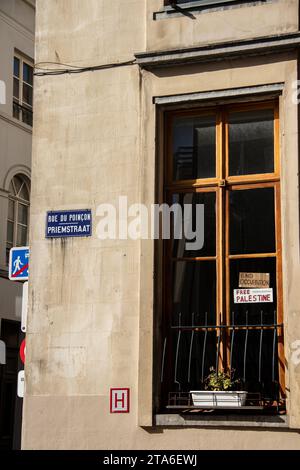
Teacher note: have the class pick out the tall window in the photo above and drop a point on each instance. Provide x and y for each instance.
(223, 302)
(22, 89)
(18, 213)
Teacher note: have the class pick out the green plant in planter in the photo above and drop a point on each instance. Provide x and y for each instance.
(220, 381)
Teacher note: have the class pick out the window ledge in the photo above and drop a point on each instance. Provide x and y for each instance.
(16, 122)
(205, 6)
(233, 421)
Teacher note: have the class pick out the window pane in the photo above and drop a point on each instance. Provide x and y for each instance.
(194, 147)
(16, 112)
(252, 221)
(27, 116)
(190, 351)
(8, 247)
(256, 265)
(251, 142)
(22, 214)
(27, 73)
(17, 181)
(21, 235)
(27, 94)
(24, 192)
(179, 246)
(16, 67)
(11, 209)
(194, 291)
(10, 232)
(267, 363)
(16, 88)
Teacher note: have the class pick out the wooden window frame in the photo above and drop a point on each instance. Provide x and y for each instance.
(17, 201)
(19, 101)
(222, 184)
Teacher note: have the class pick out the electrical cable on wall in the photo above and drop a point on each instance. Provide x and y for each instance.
(41, 71)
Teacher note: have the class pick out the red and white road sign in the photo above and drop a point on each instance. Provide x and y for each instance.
(23, 351)
(119, 400)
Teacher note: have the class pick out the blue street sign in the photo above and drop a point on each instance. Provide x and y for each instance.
(76, 223)
(18, 263)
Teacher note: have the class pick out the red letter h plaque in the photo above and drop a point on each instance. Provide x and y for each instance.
(119, 400)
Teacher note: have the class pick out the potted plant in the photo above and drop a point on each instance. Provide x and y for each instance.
(219, 391)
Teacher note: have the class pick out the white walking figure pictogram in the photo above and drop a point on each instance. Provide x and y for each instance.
(17, 264)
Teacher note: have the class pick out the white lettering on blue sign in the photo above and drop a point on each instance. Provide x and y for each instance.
(77, 223)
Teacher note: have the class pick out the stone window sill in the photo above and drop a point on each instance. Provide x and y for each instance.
(233, 421)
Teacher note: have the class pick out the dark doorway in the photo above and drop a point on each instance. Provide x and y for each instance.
(10, 404)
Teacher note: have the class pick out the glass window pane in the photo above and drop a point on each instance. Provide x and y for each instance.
(16, 88)
(11, 188)
(10, 232)
(17, 181)
(21, 235)
(27, 73)
(194, 147)
(256, 265)
(27, 94)
(24, 193)
(194, 291)
(190, 350)
(16, 112)
(8, 247)
(251, 142)
(268, 362)
(11, 209)
(252, 221)
(22, 214)
(196, 225)
(27, 116)
(16, 67)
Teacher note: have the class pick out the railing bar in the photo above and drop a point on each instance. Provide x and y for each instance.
(218, 352)
(260, 347)
(245, 347)
(190, 352)
(274, 349)
(216, 327)
(163, 361)
(177, 350)
(204, 350)
(231, 344)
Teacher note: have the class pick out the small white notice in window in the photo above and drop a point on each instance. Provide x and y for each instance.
(253, 296)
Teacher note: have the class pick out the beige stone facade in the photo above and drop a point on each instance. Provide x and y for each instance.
(92, 314)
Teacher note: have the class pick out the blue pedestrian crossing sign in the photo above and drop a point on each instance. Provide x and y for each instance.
(18, 263)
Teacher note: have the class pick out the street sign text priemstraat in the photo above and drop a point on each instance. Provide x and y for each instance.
(69, 223)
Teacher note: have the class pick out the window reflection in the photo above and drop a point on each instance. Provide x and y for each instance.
(209, 202)
(252, 221)
(194, 291)
(194, 147)
(251, 142)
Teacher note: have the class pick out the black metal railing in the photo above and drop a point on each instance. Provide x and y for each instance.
(248, 350)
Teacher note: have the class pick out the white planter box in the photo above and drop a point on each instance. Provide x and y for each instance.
(229, 399)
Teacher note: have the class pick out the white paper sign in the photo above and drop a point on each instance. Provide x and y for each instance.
(253, 296)
(21, 384)
(2, 352)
